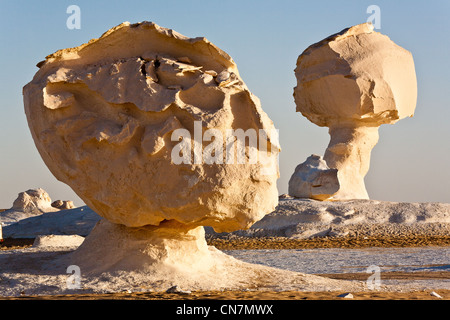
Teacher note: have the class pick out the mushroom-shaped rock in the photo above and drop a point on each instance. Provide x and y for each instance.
(352, 82)
(63, 204)
(149, 128)
(107, 118)
(313, 179)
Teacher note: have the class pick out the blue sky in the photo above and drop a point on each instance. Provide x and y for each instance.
(410, 161)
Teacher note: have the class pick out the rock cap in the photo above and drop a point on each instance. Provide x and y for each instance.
(357, 77)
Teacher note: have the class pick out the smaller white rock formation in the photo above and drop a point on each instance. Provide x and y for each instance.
(35, 201)
(352, 82)
(63, 204)
(31, 203)
(313, 179)
(76, 221)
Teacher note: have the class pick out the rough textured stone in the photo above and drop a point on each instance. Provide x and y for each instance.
(63, 204)
(33, 201)
(353, 82)
(102, 116)
(313, 179)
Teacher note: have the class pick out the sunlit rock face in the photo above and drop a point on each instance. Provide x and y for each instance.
(353, 82)
(136, 123)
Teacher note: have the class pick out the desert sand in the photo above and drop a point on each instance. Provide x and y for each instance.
(392, 231)
(250, 295)
(281, 243)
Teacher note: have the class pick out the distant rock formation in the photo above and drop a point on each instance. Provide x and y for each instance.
(76, 221)
(33, 202)
(36, 201)
(352, 82)
(63, 204)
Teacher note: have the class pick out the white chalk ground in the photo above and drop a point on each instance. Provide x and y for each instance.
(293, 218)
(44, 269)
(303, 218)
(41, 269)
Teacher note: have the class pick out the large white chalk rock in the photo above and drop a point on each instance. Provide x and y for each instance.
(353, 82)
(63, 204)
(313, 179)
(113, 119)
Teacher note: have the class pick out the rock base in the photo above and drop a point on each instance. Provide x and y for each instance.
(157, 258)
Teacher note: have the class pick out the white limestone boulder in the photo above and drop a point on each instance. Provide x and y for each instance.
(33, 201)
(313, 179)
(63, 204)
(30, 203)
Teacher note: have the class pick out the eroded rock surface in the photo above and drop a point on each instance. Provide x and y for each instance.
(313, 179)
(33, 201)
(30, 203)
(104, 116)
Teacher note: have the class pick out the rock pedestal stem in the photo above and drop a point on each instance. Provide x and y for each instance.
(349, 152)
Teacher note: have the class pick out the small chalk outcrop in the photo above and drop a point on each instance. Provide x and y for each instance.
(63, 204)
(352, 82)
(30, 203)
(34, 201)
(313, 179)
